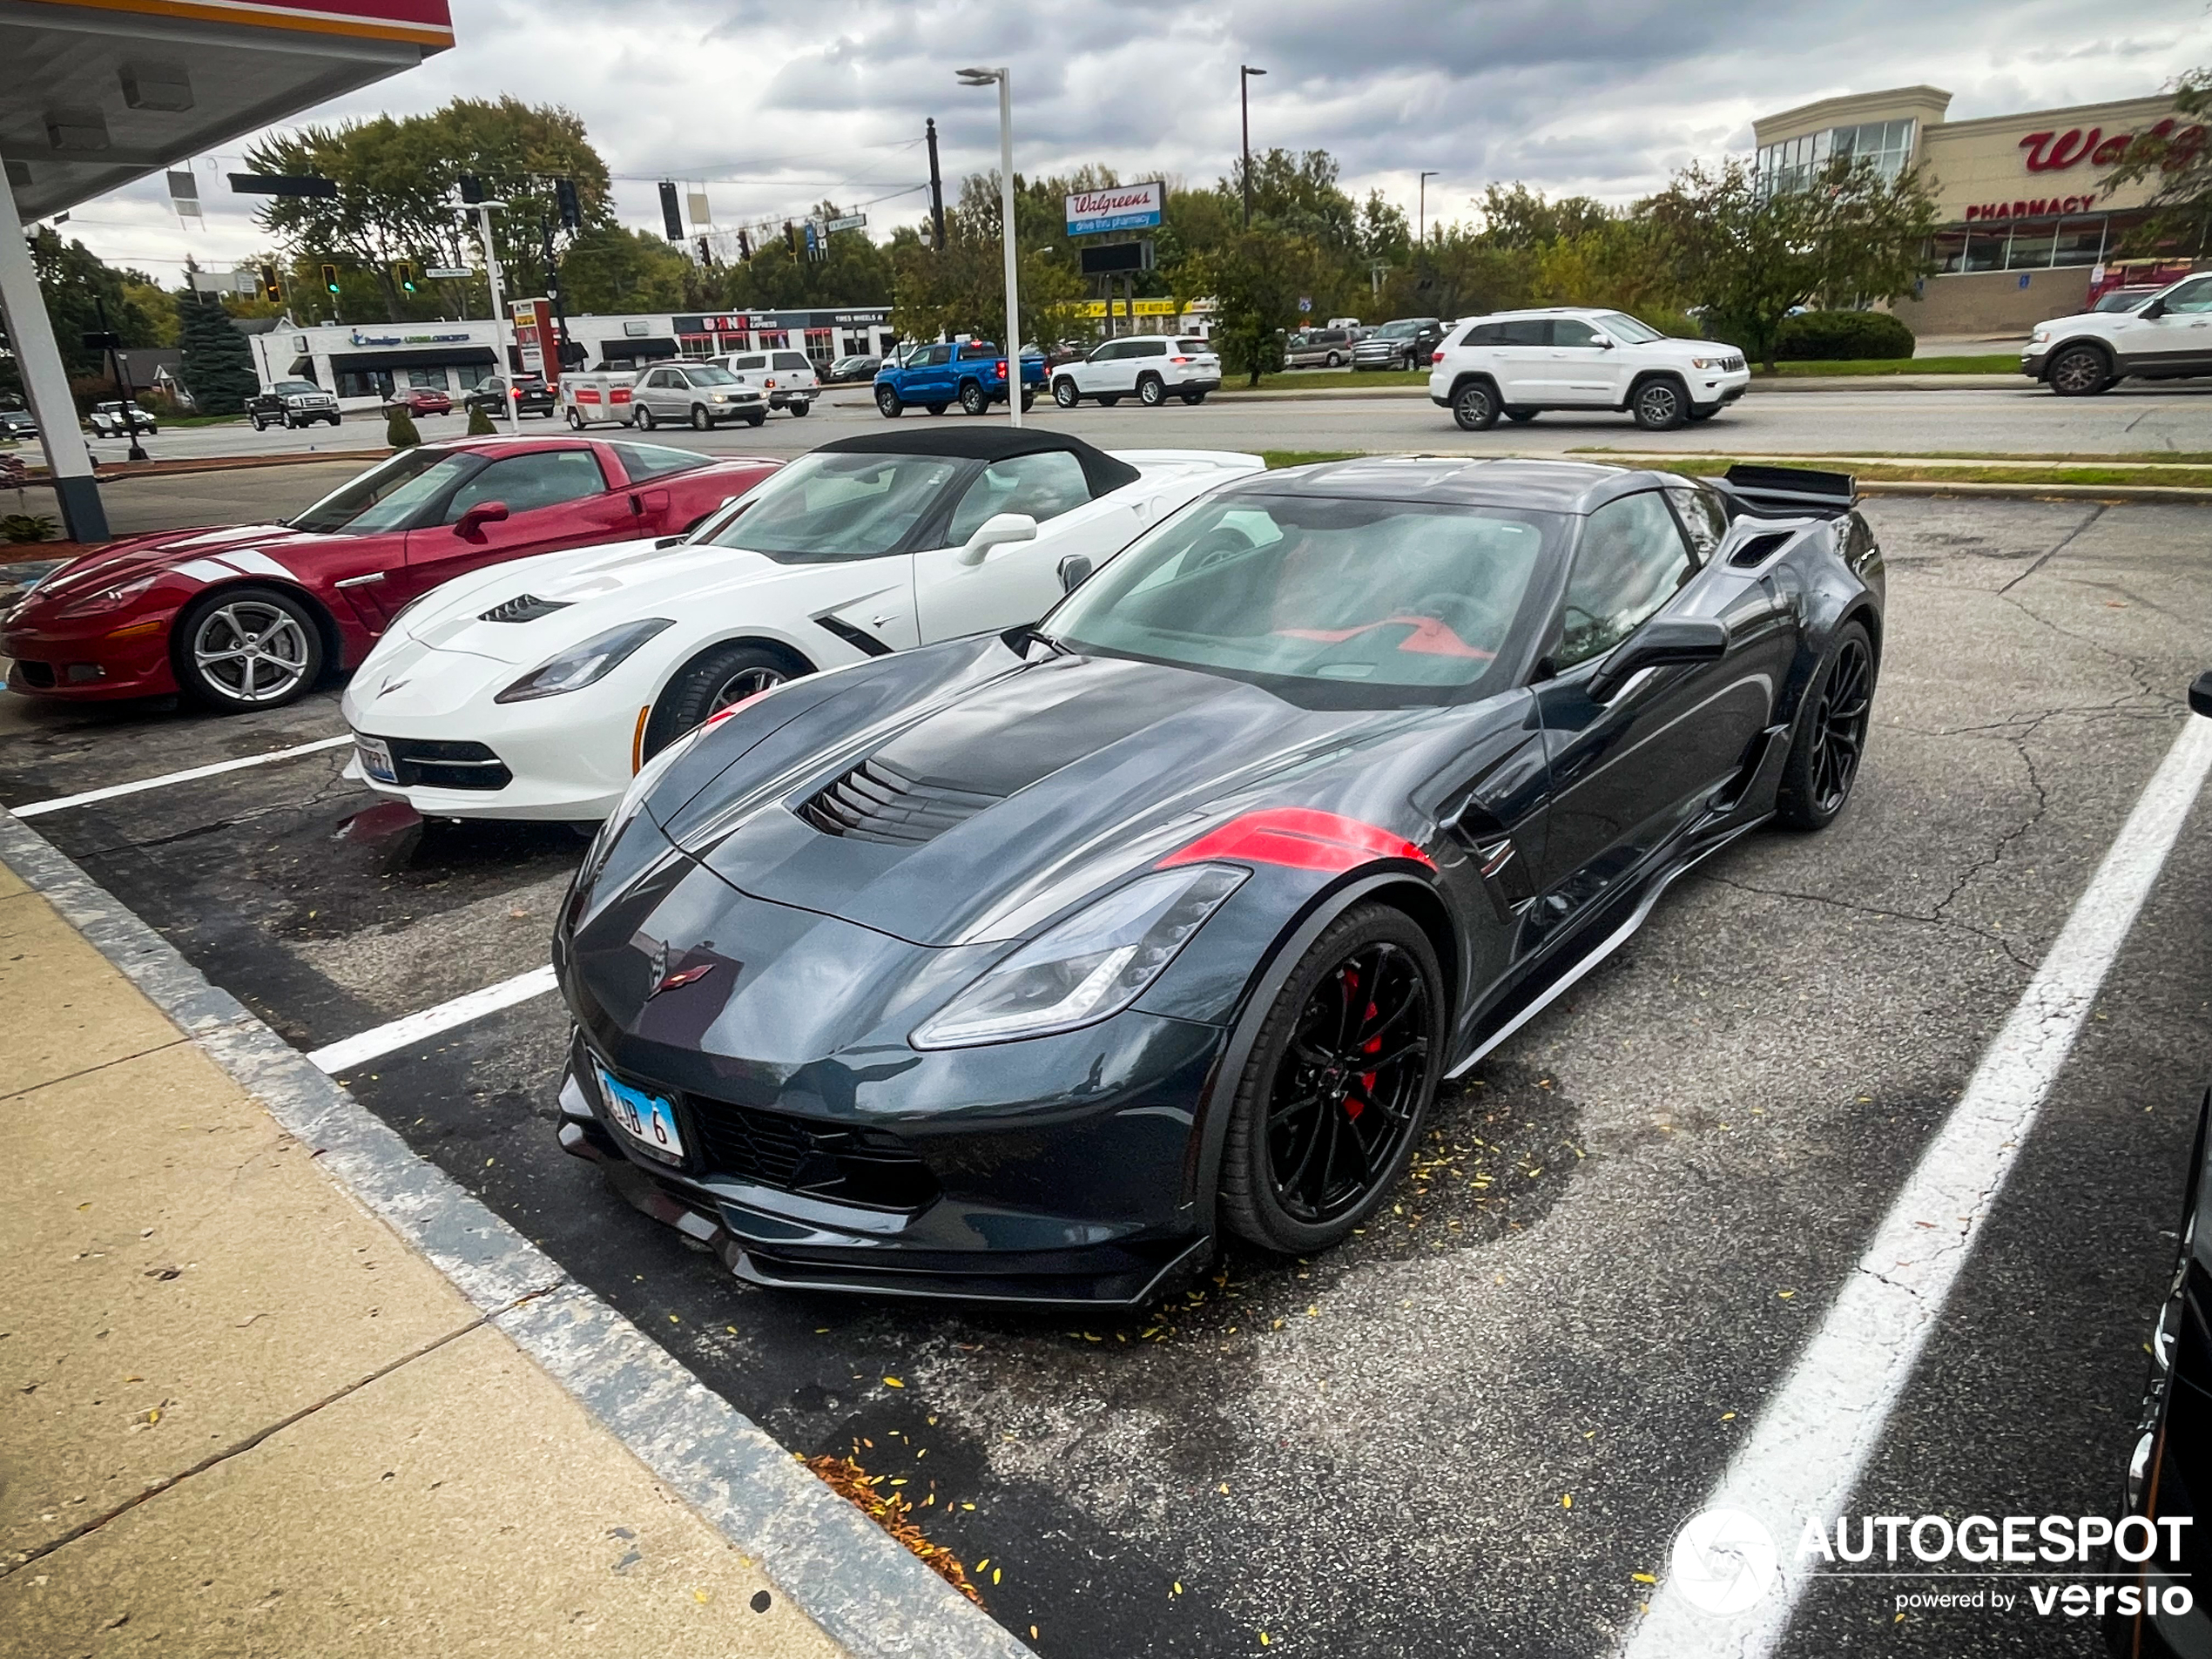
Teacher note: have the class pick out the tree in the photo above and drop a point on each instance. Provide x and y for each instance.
(219, 365)
(75, 282)
(1257, 279)
(961, 288)
(2181, 216)
(1848, 238)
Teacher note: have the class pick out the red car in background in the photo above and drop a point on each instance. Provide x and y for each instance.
(419, 399)
(249, 618)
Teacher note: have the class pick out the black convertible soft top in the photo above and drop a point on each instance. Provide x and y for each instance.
(1101, 471)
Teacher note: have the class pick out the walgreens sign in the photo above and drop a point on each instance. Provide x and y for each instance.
(1125, 208)
(2055, 152)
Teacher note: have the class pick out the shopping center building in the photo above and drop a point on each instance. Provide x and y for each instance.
(2027, 226)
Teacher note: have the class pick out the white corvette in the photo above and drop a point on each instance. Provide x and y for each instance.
(537, 689)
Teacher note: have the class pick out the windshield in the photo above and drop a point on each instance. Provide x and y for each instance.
(292, 388)
(708, 374)
(1627, 329)
(389, 495)
(1385, 602)
(827, 506)
(1396, 331)
(2123, 300)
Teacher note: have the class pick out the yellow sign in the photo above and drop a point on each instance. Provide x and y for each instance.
(1144, 308)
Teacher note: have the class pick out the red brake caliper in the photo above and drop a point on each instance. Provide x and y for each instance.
(1373, 1045)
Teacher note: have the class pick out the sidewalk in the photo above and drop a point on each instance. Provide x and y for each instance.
(243, 1416)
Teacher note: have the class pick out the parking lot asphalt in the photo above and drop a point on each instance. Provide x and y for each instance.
(1471, 1430)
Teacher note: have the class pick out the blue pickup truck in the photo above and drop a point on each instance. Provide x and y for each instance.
(970, 373)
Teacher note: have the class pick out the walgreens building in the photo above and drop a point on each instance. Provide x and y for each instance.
(2027, 226)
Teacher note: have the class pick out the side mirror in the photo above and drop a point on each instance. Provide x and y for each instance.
(996, 531)
(1603, 344)
(1074, 571)
(2153, 307)
(471, 523)
(1661, 642)
(2201, 695)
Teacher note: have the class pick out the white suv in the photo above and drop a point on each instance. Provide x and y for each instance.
(788, 377)
(1514, 363)
(1149, 367)
(2167, 336)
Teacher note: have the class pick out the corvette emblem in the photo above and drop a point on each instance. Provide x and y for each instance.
(656, 968)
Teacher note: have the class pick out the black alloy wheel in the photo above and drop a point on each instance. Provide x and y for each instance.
(1064, 392)
(1659, 406)
(1339, 1084)
(2079, 371)
(972, 400)
(887, 403)
(1474, 406)
(1152, 392)
(1830, 741)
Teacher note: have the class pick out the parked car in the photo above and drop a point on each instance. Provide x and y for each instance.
(2124, 298)
(249, 616)
(1319, 349)
(787, 377)
(1149, 367)
(115, 418)
(1517, 363)
(419, 399)
(18, 424)
(532, 397)
(292, 404)
(848, 371)
(1032, 965)
(971, 373)
(700, 396)
(568, 673)
(2168, 336)
(1407, 343)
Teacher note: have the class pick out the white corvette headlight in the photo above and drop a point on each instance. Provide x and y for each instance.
(1091, 966)
(582, 665)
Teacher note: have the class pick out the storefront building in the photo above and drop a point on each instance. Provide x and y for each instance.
(2027, 229)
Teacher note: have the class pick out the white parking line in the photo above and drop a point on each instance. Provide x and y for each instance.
(345, 1054)
(38, 809)
(1813, 1438)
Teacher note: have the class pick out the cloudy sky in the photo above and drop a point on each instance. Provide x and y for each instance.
(776, 106)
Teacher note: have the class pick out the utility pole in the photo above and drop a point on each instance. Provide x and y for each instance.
(936, 186)
(1244, 73)
(1421, 234)
(498, 312)
(553, 287)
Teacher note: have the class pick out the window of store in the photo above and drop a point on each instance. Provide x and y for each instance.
(2081, 241)
(1793, 165)
(2030, 249)
(469, 376)
(1986, 250)
(364, 382)
(858, 345)
(696, 345)
(821, 345)
(427, 378)
(767, 339)
(736, 342)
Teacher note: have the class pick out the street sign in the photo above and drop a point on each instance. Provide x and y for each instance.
(1305, 302)
(1125, 208)
(449, 273)
(850, 222)
(270, 184)
(102, 342)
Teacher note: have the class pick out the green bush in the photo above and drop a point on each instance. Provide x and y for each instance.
(480, 424)
(1842, 336)
(28, 527)
(399, 432)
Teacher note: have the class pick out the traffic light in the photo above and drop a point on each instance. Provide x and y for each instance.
(706, 253)
(472, 189)
(745, 245)
(330, 278)
(672, 217)
(403, 273)
(271, 289)
(791, 239)
(564, 199)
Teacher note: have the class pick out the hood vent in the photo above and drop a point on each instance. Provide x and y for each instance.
(877, 802)
(524, 607)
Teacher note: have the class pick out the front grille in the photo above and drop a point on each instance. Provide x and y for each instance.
(847, 1166)
(524, 607)
(877, 802)
(444, 765)
(1730, 364)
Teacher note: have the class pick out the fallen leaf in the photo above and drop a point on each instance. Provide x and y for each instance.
(1643, 1578)
(892, 1382)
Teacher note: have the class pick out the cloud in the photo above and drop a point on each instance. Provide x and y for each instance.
(777, 107)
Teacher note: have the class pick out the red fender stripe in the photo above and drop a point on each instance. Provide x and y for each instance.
(1299, 838)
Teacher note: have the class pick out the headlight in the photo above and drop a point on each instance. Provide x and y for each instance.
(108, 598)
(1708, 363)
(584, 665)
(1093, 965)
(719, 397)
(2037, 336)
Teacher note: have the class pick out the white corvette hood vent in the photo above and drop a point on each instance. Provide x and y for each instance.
(524, 607)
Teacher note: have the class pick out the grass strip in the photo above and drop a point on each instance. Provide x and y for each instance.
(1994, 363)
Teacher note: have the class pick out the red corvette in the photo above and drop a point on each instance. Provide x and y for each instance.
(249, 618)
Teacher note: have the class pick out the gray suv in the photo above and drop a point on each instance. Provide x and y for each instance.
(697, 394)
(1407, 343)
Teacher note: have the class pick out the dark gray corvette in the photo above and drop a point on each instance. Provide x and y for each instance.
(1023, 966)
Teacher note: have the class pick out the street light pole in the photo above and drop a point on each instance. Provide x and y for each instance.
(1421, 233)
(491, 275)
(1013, 346)
(1244, 73)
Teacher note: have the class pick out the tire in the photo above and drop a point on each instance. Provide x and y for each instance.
(1831, 741)
(1271, 1194)
(757, 418)
(2079, 371)
(1028, 400)
(799, 407)
(1064, 392)
(641, 417)
(1152, 392)
(291, 425)
(335, 419)
(257, 422)
(1194, 398)
(576, 422)
(233, 681)
(1335, 361)
(1107, 400)
(1474, 406)
(1659, 405)
(972, 400)
(936, 409)
(708, 684)
(701, 421)
(1520, 417)
(887, 403)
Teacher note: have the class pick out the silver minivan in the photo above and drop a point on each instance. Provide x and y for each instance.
(700, 396)
(1319, 349)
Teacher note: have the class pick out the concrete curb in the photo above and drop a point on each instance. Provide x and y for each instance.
(2115, 493)
(864, 1590)
(1900, 382)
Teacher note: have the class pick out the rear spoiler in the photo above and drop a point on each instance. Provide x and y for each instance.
(1789, 492)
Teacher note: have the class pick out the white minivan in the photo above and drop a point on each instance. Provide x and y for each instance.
(787, 377)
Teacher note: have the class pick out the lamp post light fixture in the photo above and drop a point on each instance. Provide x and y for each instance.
(1004, 81)
(1420, 233)
(1244, 73)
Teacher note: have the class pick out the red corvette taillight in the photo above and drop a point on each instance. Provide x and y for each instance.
(1299, 837)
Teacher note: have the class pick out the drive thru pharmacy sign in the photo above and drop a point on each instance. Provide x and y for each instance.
(1125, 207)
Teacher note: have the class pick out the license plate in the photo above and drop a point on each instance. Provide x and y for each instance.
(376, 760)
(649, 1120)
